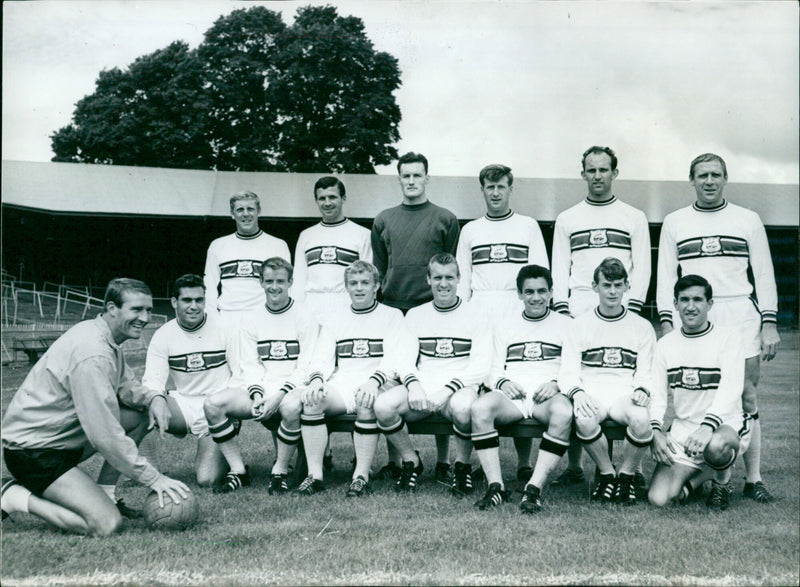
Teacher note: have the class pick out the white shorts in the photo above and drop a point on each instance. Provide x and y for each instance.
(191, 406)
(680, 430)
(525, 405)
(497, 303)
(232, 321)
(583, 300)
(432, 383)
(609, 400)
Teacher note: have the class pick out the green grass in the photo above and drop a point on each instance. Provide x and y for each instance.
(432, 538)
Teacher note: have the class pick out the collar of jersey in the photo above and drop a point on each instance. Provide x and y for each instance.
(333, 224)
(449, 308)
(703, 332)
(249, 236)
(365, 310)
(608, 319)
(611, 201)
(539, 319)
(196, 328)
(721, 205)
(505, 216)
(282, 310)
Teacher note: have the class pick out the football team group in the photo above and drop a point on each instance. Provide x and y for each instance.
(417, 318)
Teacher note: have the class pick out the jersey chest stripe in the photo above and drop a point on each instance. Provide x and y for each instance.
(359, 348)
(499, 253)
(192, 362)
(330, 255)
(599, 238)
(712, 246)
(278, 350)
(443, 347)
(609, 358)
(240, 268)
(694, 378)
(532, 351)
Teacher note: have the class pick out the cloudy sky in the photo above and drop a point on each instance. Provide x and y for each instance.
(527, 83)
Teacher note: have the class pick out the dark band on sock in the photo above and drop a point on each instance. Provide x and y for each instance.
(461, 434)
(486, 440)
(553, 445)
(640, 442)
(223, 432)
(369, 427)
(290, 437)
(593, 438)
(312, 419)
(392, 428)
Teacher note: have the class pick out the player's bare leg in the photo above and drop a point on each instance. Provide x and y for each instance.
(209, 463)
(289, 431)
(76, 492)
(392, 411)
(220, 409)
(487, 412)
(315, 432)
(135, 425)
(668, 482)
(556, 412)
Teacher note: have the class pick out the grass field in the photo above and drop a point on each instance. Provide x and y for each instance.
(432, 538)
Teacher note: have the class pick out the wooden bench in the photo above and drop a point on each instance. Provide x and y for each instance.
(33, 347)
(440, 425)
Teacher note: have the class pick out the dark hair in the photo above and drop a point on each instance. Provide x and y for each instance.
(188, 280)
(688, 281)
(705, 158)
(119, 286)
(328, 182)
(412, 157)
(496, 172)
(443, 259)
(597, 150)
(533, 272)
(612, 269)
(276, 263)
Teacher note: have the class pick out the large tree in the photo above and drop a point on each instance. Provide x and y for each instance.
(256, 95)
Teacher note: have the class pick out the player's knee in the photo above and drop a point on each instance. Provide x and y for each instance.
(291, 408)
(214, 408)
(749, 403)
(482, 412)
(561, 416)
(586, 425)
(720, 452)
(658, 496)
(460, 408)
(105, 525)
(365, 414)
(639, 421)
(384, 409)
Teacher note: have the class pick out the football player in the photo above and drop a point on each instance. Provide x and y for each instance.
(326, 249)
(702, 364)
(452, 344)
(365, 343)
(490, 251)
(233, 263)
(404, 238)
(727, 245)
(81, 397)
(271, 365)
(605, 371)
(598, 227)
(190, 352)
(523, 380)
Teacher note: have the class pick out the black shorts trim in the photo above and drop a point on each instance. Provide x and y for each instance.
(37, 468)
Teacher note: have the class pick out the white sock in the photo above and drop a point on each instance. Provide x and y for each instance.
(110, 491)
(15, 499)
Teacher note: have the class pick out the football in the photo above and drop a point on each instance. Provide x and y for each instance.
(173, 516)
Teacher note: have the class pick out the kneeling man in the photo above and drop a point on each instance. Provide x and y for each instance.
(364, 343)
(703, 366)
(81, 397)
(605, 371)
(451, 343)
(527, 358)
(190, 352)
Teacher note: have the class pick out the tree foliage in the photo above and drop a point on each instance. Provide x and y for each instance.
(256, 95)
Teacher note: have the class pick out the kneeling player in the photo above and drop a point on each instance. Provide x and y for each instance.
(364, 344)
(527, 357)
(451, 342)
(605, 371)
(191, 351)
(270, 361)
(704, 367)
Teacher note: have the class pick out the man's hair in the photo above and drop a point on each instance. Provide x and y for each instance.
(329, 181)
(706, 158)
(245, 195)
(188, 280)
(276, 263)
(496, 172)
(361, 266)
(597, 150)
(443, 259)
(412, 157)
(688, 281)
(119, 286)
(533, 272)
(612, 269)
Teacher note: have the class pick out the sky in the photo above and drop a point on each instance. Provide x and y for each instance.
(527, 83)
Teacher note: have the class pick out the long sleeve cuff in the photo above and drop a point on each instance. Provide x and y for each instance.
(769, 317)
(713, 421)
(665, 317)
